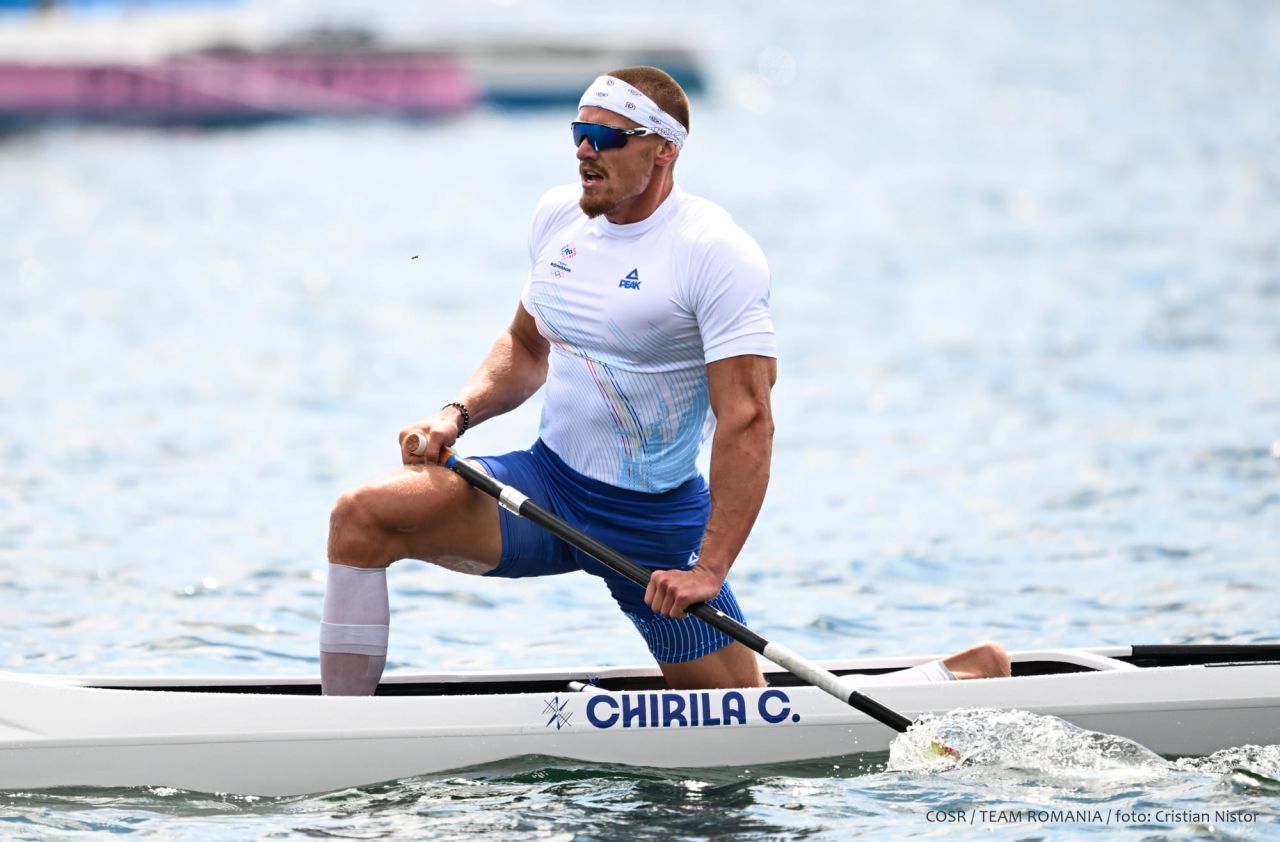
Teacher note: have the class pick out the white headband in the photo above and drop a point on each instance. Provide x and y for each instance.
(621, 98)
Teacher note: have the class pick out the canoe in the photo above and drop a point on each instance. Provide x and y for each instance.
(278, 736)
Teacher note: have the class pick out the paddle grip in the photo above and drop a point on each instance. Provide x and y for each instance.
(416, 443)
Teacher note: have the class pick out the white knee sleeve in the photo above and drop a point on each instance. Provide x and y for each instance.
(357, 614)
(932, 671)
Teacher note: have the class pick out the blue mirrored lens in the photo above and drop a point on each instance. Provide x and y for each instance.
(600, 137)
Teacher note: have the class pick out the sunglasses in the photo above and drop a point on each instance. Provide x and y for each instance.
(604, 137)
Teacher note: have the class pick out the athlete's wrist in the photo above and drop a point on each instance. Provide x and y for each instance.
(711, 569)
(463, 415)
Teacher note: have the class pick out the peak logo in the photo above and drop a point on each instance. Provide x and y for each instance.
(631, 281)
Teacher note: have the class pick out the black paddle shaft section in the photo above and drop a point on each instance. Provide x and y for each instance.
(604, 554)
(880, 713)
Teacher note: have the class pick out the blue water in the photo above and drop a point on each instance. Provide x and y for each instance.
(1027, 291)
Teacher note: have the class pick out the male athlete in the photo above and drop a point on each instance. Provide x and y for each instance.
(646, 317)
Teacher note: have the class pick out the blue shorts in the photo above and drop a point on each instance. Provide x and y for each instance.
(659, 531)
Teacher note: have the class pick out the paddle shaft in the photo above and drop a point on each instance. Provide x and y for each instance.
(804, 669)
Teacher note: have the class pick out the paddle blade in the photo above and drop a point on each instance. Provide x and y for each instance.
(943, 751)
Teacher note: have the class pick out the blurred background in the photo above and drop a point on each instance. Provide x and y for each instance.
(1026, 283)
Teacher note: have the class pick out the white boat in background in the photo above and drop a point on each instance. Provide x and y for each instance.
(278, 736)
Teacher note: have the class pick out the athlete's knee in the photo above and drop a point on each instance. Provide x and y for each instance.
(747, 672)
(356, 538)
(996, 657)
(987, 659)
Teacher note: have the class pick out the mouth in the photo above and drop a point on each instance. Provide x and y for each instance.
(591, 177)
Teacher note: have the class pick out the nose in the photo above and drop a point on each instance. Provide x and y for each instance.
(587, 153)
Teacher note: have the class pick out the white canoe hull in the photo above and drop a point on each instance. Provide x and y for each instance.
(68, 731)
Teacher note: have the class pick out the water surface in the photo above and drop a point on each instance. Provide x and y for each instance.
(1026, 288)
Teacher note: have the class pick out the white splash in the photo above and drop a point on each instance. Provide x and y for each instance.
(1262, 761)
(1015, 739)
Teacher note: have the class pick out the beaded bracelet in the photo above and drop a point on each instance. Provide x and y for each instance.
(466, 416)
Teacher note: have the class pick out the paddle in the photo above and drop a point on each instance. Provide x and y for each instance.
(804, 669)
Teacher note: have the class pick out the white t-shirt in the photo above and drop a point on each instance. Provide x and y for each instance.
(634, 313)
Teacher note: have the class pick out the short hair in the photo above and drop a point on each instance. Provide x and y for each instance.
(659, 87)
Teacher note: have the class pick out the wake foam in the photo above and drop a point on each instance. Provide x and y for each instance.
(1015, 739)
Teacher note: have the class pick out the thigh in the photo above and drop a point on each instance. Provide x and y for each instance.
(429, 513)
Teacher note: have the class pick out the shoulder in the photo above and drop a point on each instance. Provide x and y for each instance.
(716, 249)
(557, 208)
(711, 235)
(728, 285)
(561, 198)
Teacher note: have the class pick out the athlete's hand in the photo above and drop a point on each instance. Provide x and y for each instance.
(670, 592)
(440, 430)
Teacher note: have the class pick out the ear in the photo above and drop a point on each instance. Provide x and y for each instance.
(667, 154)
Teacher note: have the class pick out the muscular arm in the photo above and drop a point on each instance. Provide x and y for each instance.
(514, 368)
(740, 454)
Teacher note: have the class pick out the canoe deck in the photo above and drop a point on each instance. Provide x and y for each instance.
(648, 678)
(277, 736)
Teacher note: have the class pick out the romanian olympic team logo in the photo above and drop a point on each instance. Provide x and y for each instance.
(559, 268)
(608, 81)
(631, 105)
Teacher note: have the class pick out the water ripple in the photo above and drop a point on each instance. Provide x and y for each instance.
(1025, 290)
